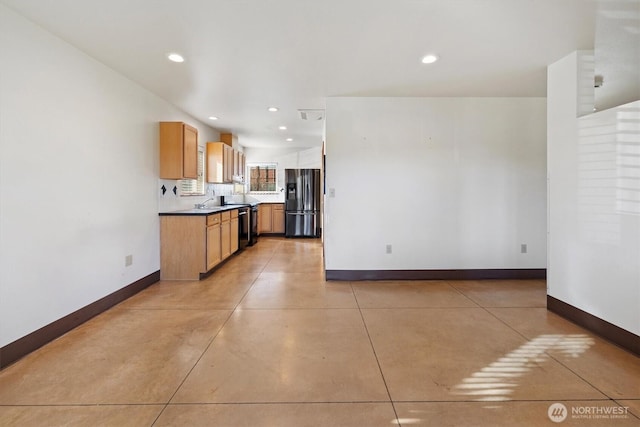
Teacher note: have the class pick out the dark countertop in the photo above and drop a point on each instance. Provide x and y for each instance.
(209, 211)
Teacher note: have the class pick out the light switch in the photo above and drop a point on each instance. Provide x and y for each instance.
(332, 192)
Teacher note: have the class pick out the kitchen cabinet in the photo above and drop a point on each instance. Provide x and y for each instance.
(243, 167)
(277, 218)
(236, 164)
(227, 138)
(225, 234)
(219, 163)
(228, 164)
(178, 151)
(214, 239)
(238, 161)
(239, 165)
(231, 159)
(224, 164)
(191, 245)
(264, 218)
(271, 218)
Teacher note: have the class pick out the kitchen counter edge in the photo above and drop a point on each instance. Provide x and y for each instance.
(205, 212)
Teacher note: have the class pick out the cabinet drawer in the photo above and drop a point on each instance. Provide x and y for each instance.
(278, 207)
(213, 219)
(234, 213)
(226, 216)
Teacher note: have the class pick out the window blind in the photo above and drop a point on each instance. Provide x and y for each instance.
(191, 187)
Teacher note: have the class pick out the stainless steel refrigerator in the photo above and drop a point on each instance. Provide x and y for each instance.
(302, 202)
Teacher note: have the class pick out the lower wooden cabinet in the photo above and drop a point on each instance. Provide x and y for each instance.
(191, 245)
(271, 218)
(225, 234)
(214, 252)
(264, 218)
(277, 218)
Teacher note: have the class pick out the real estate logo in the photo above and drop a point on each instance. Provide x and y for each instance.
(557, 412)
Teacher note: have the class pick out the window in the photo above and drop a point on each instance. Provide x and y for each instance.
(194, 187)
(262, 177)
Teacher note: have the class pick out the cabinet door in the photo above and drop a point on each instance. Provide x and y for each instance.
(264, 218)
(227, 163)
(242, 166)
(178, 151)
(213, 246)
(234, 235)
(236, 163)
(190, 147)
(225, 238)
(215, 162)
(278, 218)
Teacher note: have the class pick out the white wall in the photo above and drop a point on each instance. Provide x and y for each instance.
(78, 178)
(594, 202)
(450, 183)
(286, 158)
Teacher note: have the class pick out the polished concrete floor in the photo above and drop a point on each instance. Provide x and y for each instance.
(265, 341)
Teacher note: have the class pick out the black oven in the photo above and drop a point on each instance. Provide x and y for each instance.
(244, 227)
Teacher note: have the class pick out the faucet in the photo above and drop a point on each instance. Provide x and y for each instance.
(202, 205)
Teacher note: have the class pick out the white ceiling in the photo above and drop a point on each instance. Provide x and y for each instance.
(617, 52)
(243, 56)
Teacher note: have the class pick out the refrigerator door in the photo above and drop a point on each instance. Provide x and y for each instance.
(301, 224)
(293, 201)
(302, 202)
(310, 189)
(303, 189)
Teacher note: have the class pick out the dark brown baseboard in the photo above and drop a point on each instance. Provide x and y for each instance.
(484, 274)
(25, 345)
(611, 332)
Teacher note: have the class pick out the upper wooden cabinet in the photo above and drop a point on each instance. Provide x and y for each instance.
(178, 151)
(227, 138)
(224, 164)
(238, 162)
(239, 166)
(219, 162)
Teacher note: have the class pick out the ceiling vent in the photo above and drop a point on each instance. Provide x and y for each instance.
(311, 115)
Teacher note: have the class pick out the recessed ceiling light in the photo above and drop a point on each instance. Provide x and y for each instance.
(175, 57)
(273, 109)
(289, 139)
(429, 59)
(282, 127)
(213, 118)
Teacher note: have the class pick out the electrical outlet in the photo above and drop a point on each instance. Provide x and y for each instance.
(128, 260)
(523, 248)
(389, 249)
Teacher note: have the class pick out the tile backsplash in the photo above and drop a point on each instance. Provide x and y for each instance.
(170, 198)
